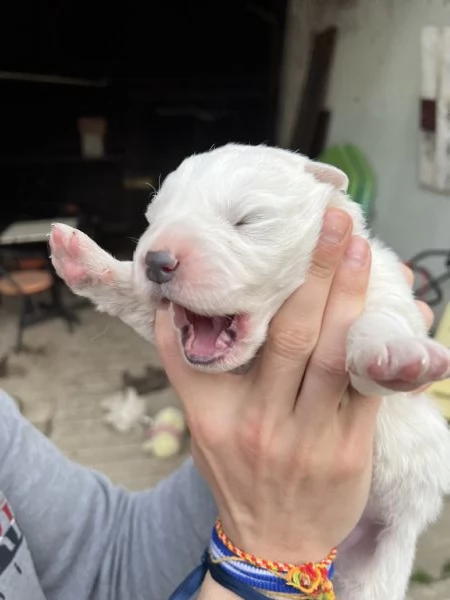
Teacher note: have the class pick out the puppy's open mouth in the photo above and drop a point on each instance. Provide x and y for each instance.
(205, 339)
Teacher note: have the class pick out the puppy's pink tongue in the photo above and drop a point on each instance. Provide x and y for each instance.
(206, 333)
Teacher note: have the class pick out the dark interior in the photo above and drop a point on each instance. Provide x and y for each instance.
(170, 78)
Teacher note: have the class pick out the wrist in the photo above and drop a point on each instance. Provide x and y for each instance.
(308, 579)
(276, 545)
(228, 572)
(211, 590)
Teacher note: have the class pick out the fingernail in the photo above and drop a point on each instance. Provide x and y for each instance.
(335, 226)
(357, 252)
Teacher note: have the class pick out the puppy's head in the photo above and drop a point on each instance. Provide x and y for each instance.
(230, 237)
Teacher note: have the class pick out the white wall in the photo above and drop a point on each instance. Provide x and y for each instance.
(374, 98)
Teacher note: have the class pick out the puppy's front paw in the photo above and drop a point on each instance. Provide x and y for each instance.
(401, 363)
(78, 259)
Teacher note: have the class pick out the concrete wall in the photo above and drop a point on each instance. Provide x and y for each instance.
(374, 98)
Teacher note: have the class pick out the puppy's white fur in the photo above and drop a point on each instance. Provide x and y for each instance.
(281, 198)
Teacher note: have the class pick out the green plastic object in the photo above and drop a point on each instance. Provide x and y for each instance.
(351, 160)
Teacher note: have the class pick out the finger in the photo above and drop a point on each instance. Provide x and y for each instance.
(184, 379)
(295, 329)
(326, 377)
(422, 389)
(168, 348)
(199, 392)
(360, 419)
(427, 313)
(408, 273)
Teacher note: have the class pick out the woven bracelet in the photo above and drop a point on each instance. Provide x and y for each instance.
(252, 578)
(309, 580)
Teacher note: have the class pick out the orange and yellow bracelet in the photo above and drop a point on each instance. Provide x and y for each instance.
(312, 580)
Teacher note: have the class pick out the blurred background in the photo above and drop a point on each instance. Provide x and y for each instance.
(155, 82)
(100, 102)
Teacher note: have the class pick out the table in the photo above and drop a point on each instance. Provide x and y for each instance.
(31, 232)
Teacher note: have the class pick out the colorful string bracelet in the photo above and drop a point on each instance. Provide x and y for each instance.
(253, 578)
(310, 580)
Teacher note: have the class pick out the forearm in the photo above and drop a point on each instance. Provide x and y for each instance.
(80, 527)
(168, 529)
(66, 512)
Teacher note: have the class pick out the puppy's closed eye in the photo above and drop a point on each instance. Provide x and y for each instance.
(242, 222)
(249, 219)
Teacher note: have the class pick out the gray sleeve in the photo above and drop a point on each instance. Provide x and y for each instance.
(91, 540)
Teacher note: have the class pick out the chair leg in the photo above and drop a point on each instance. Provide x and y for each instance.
(69, 316)
(24, 311)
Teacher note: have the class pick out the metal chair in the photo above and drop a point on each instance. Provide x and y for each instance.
(27, 284)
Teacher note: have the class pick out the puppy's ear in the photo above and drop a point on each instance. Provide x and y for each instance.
(328, 174)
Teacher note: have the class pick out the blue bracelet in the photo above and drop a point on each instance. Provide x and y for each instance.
(194, 580)
(247, 581)
(234, 585)
(255, 577)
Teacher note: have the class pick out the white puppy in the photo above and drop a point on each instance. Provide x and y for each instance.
(231, 236)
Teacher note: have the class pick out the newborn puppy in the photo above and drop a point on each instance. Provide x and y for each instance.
(231, 235)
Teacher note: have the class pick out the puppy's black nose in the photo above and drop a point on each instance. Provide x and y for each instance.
(160, 265)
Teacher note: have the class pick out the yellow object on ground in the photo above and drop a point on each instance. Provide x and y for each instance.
(165, 435)
(440, 391)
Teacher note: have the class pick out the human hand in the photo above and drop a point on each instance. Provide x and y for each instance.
(426, 311)
(290, 470)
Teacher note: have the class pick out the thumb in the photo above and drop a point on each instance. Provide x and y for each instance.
(209, 400)
(194, 388)
(169, 350)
